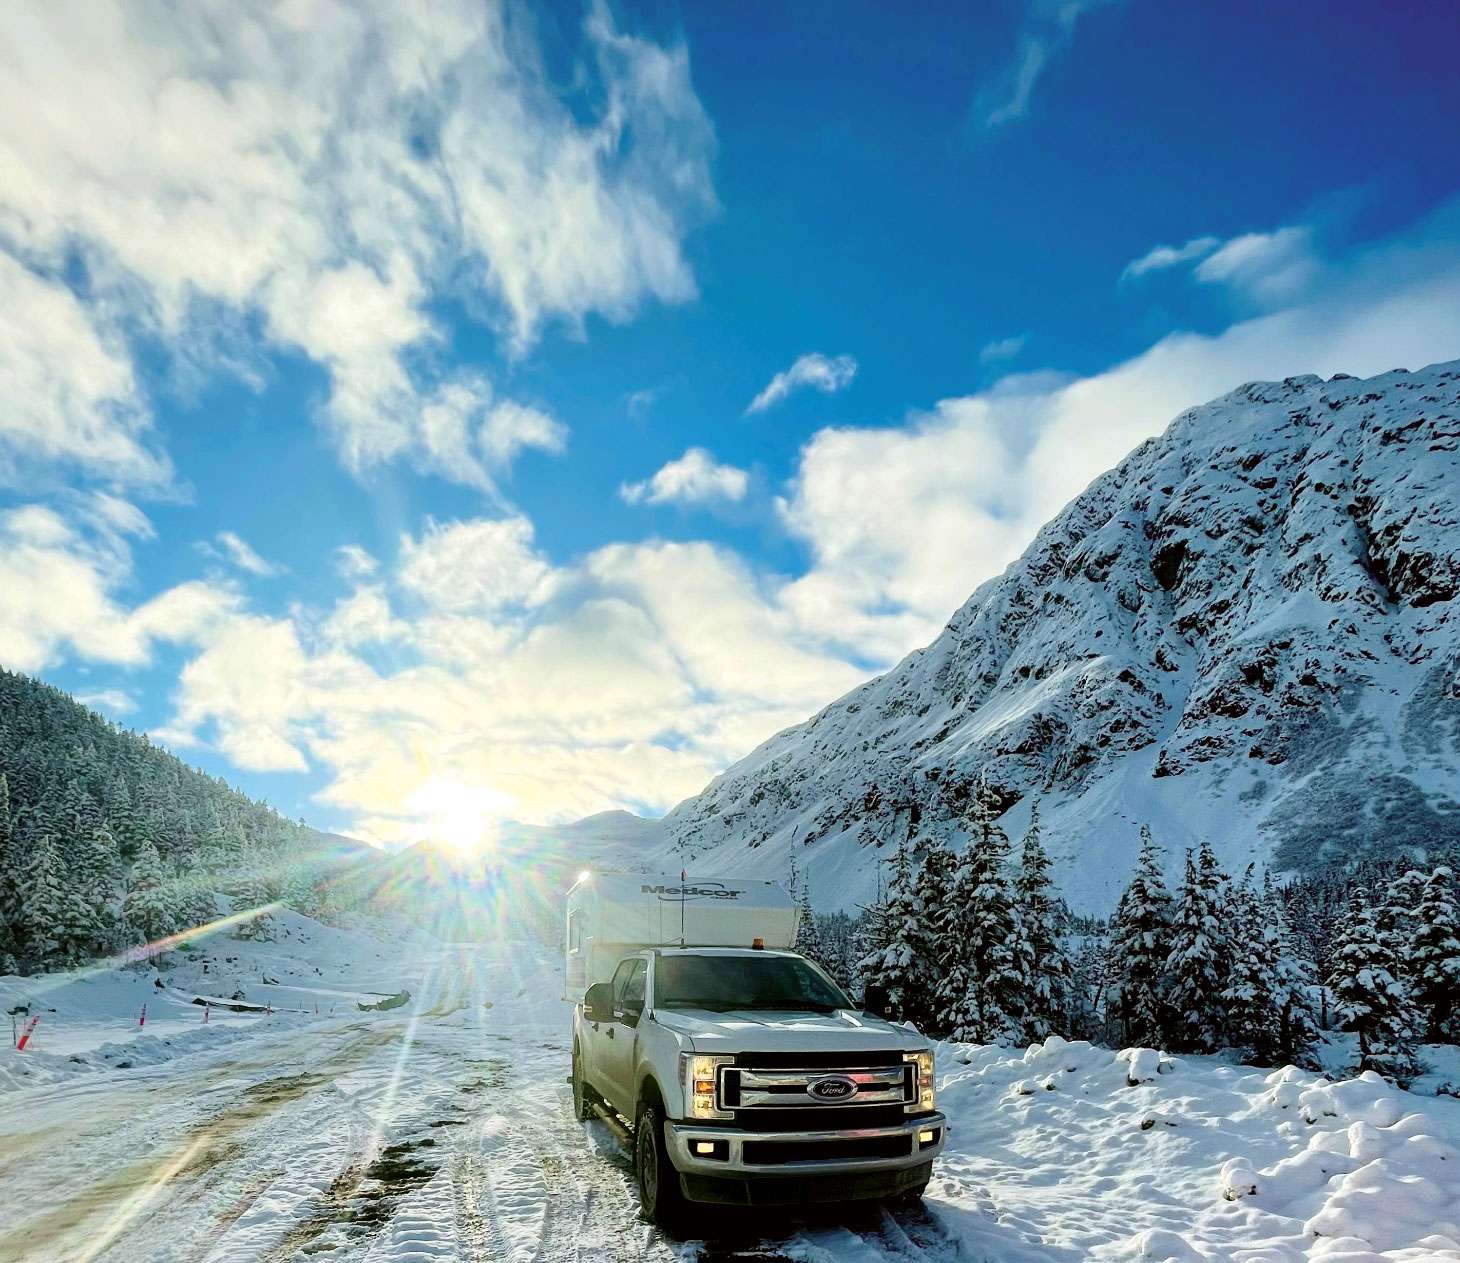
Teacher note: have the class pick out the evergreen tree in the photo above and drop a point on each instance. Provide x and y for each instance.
(1369, 998)
(934, 890)
(9, 874)
(1194, 967)
(149, 913)
(1140, 942)
(1434, 957)
(1040, 963)
(837, 932)
(979, 997)
(1297, 1024)
(1250, 996)
(901, 962)
(43, 906)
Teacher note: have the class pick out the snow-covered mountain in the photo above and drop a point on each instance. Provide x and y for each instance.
(1246, 631)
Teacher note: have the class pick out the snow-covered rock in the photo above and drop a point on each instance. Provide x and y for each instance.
(1247, 631)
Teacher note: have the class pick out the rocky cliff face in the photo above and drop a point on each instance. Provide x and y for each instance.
(1248, 631)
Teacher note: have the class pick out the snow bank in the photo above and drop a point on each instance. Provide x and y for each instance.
(90, 1017)
(1068, 1151)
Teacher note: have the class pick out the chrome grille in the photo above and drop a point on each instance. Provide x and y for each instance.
(750, 1087)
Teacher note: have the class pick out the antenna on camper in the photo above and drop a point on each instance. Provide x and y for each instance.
(683, 895)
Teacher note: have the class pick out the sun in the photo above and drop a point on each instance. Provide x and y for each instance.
(464, 818)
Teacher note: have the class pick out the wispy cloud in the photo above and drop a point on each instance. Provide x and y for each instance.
(1162, 258)
(1267, 266)
(1049, 27)
(827, 374)
(238, 551)
(638, 402)
(1002, 349)
(695, 478)
(1263, 267)
(114, 701)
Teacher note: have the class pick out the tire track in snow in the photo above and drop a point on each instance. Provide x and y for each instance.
(88, 1223)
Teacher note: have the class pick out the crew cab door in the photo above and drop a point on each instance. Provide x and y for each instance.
(618, 1040)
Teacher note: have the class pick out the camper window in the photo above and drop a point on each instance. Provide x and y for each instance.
(575, 930)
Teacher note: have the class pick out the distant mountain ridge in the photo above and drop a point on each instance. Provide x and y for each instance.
(1246, 631)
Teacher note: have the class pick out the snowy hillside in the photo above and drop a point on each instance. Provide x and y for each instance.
(1245, 631)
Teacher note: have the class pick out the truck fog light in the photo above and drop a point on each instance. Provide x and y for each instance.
(716, 1149)
(927, 1136)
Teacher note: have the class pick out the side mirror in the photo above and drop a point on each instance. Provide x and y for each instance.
(874, 1001)
(598, 1002)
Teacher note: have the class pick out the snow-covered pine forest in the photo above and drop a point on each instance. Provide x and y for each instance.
(107, 842)
(977, 947)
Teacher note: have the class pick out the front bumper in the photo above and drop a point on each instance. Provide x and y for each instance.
(850, 1151)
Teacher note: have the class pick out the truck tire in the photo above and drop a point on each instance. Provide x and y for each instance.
(585, 1099)
(660, 1200)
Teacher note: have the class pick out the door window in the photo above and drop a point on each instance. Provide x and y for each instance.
(621, 980)
(633, 996)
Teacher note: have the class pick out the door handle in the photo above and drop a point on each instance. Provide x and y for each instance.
(610, 1032)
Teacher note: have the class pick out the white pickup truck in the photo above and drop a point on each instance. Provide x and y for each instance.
(748, 1075)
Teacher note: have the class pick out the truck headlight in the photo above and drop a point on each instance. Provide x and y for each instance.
(698, 1074)
(923, 1095)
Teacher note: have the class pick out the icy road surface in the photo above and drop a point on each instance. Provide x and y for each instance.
(443, 1131)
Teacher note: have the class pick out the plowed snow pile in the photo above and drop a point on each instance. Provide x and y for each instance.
(1069, 1151)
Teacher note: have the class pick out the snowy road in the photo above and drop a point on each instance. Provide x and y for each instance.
(439, 1132)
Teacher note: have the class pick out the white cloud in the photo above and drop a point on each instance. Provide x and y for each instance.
(1049, 28)
(638, 402)
(323, 172)
(1002, 349)
(60, 572)
(353, 562)
(827, 374)
(68, 395)
(242, 555)
(364, 618)
(1161, 258)
(481, 566)
(511, 428)
(695, 478)
(1268, 266)
(648, 668)
(114, 701)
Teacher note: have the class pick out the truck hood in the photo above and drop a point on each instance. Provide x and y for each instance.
(715, 1031)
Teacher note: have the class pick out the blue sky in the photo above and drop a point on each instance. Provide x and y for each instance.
(477, 412)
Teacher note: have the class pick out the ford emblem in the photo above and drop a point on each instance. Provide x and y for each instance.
(832, 1087)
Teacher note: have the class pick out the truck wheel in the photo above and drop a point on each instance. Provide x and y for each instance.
(584, 1097)
(660, 1199)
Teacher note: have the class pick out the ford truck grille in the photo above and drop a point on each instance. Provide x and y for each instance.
(872, 1092)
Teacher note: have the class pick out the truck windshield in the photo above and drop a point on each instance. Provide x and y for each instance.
(744, 982)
